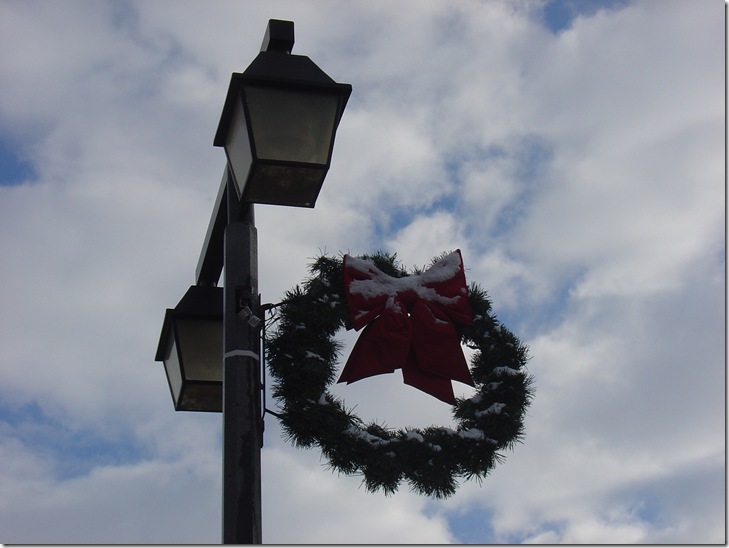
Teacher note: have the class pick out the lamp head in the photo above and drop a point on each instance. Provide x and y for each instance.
(279, 122)
(191, 348)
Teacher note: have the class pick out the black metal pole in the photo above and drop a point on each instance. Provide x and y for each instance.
(242, 423)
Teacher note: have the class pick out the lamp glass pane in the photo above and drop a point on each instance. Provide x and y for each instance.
(174, 372)
(293, 125)
(238, 147)
(201, 347)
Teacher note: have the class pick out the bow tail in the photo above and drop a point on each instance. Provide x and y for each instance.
(437, 346)
(429, 383)
(381, 348)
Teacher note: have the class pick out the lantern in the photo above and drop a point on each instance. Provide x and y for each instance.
(278, 124)
(191, 348)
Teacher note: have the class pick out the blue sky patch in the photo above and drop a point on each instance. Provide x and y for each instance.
(558, 15)
(73, 452)
(472, 526)
(13, 169)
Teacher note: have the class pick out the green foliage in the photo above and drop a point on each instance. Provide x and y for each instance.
(303, 357)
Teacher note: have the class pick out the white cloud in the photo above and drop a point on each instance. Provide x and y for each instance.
(147, 502)
(426, 237)
(318, 507)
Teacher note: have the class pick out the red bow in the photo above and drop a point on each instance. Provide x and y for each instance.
(409, 324)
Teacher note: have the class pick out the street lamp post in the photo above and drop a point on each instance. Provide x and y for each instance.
(242, 416)
(278, 126)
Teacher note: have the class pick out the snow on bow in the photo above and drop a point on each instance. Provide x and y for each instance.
(409, 324)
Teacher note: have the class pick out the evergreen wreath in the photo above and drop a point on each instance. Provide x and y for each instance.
(303, 356)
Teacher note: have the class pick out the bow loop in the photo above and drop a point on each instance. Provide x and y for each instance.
(409, 324)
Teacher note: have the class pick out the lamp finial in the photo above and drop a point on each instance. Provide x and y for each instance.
(279, 36)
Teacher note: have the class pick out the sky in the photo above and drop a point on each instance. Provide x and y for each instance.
(573, 151)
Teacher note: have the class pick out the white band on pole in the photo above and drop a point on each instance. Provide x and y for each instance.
(244, 353)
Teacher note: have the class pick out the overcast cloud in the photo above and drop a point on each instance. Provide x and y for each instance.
(574, 152)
